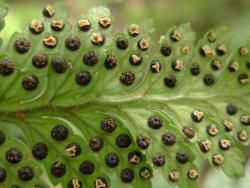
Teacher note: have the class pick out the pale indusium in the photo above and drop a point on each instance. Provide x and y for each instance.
(84, 106)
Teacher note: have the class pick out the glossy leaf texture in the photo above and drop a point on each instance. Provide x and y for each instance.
(99, 108)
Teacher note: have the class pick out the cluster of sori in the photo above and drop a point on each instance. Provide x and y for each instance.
(143, 142)
(90, 58)
(108, 125)
(58, 169)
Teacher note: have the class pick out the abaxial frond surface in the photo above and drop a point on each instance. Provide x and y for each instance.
(83, 106)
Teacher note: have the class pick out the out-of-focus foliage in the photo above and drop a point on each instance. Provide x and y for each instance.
(214, 177)
(203, 15)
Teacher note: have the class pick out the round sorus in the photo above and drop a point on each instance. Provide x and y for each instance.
(243, 51)
(96, 143)
(84, 25)
(3, 174)
(159, 159)
(233, 66)
(110, 62)
(143, 141)
(57, 25)
(30, 82)
(206, 50)
(104, 22)
(188, 131)
(36, 26)
(205, 145)
(72, 43)
(166, 50)
(127, 175)
(49, 11)
(215, 64)
(90, 58)
(182, 157)
(50, 41)
(155, 122)
(197, 115)
(242, 135)
(212, 130)
(134, 157)
(175, 36)
(155, 66)
(248, 64)
(218, 159)
(58, 169)
(134, 30)
(100, 182)
(135, 59)
(231, 109)
(123, 141)
(73, 149)
(83, 78)
(243, 78)
(108, 125)
(22, 45)
(40, 60)
(127, 78)
(174, 175)
(143, 44)
(25, 173)
(97, 39)
(212, 37)
(193, 174)
(185, 50)
(13, 155)
(228, 125)
(59, 132)
(221, 50)
(112, 160)
(2, 137)
(177, 65)
(195, 69)
(87, 167)
(7, 67)
(40, 150)
(75, 183)
(245, 119)
(122, 43)
(145, 173)
(209, 79)
(170, 81)
(168, 139)
(224, 144)
(59, 65)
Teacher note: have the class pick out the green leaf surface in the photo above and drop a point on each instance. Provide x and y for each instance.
(28, 117)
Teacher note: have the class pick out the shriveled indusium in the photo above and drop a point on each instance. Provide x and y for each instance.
(88, 107)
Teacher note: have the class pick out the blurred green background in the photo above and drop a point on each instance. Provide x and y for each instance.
(202, 14)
